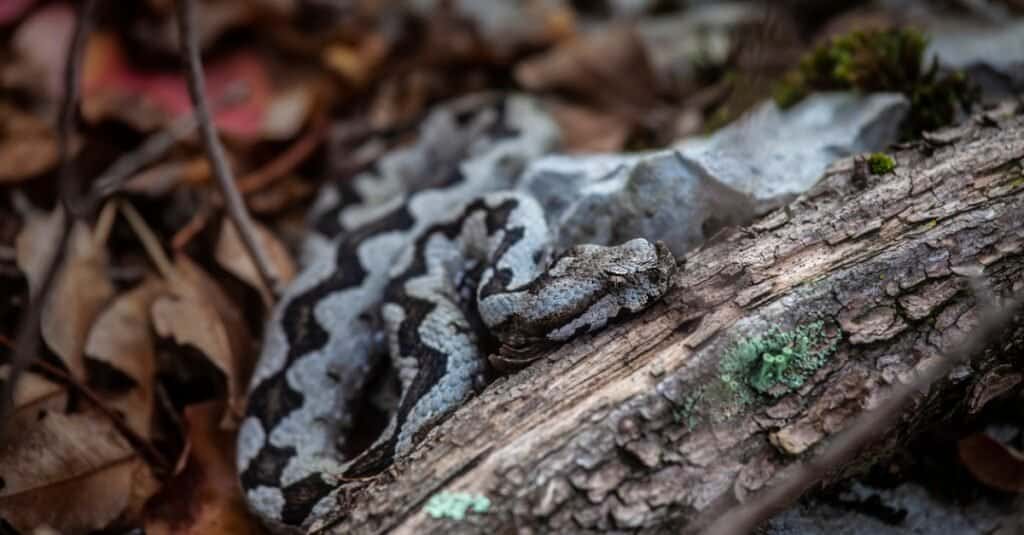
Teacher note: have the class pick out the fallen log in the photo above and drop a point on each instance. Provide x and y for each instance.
(773, 338)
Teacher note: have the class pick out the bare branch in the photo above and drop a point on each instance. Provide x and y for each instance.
(792, 483)
(27, 344)
(236, 208)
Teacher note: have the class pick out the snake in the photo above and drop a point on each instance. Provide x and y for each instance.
(433, 259)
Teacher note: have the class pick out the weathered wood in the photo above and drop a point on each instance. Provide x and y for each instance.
(609, 432)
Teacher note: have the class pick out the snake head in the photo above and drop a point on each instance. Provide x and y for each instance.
(584, 289)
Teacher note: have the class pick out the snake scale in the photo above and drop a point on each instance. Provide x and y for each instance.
(428, 256)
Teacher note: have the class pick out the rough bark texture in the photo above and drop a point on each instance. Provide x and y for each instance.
(633, 429)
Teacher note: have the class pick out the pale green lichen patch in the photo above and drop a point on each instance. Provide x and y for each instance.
(455, 505)
(776, 362)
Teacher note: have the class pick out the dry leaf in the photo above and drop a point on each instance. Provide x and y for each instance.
(232, 255)
(41, 42)
(28, 146)
(608, 67)
(81, 288)
(992, 462)
(113, 88)
(10, 10)
(205, 498)
(589, 130)
(73, 472)
(279, 195)
(199, 315)
(121, 339)
(35, 393)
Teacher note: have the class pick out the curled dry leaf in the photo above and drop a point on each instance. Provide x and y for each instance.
(198, 314)
(232, 256)
(992, 462)
(204, 499)
(121, 340)
(82, 287)
(72, 472)
(28, 146)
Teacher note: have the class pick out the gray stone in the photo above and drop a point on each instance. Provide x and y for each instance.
(773, 153)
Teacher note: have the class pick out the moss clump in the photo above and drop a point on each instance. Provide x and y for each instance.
(775, 363)
(882, 60)
(881, 163)
(455, 505)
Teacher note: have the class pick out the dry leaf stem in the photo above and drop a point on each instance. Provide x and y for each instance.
(27, 344)
(237, 211)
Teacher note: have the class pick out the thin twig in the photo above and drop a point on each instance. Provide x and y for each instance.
(193, 227)
(149, 241)
(237, 211)
(66, 184)
(287, 160)
(27, 344)
(155, 147)
(871, 425)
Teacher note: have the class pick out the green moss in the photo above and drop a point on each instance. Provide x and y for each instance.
(454, 505)
(881, 163)
(882, 60)
(776, 362)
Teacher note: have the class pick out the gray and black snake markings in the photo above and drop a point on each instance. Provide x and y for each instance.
(434, 244)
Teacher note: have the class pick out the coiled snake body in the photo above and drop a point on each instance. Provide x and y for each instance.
(436, 245)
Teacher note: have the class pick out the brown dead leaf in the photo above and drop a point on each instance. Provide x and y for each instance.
(609, 68)
(200, 315)
(358, 63)
(12, 9)
(72, 472)
(204, 499)
(280, 195)
(81, 289)
(232, 255)
(28, 146)
(589, 130)
(34, 392)
(992, 462)
(122, 340)
(41, 44)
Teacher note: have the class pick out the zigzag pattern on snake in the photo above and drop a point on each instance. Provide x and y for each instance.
(436, 246)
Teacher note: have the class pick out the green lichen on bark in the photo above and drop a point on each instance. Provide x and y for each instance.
(883, 60)
(881, 163)
(455, 505)
(775, 363)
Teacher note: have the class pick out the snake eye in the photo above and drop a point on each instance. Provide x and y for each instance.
(616, 269)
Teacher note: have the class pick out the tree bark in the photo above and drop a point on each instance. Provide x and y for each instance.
(630, 429)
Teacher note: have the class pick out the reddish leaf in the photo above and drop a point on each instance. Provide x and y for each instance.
(992, 462)
(204, 499)
(112, 87)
